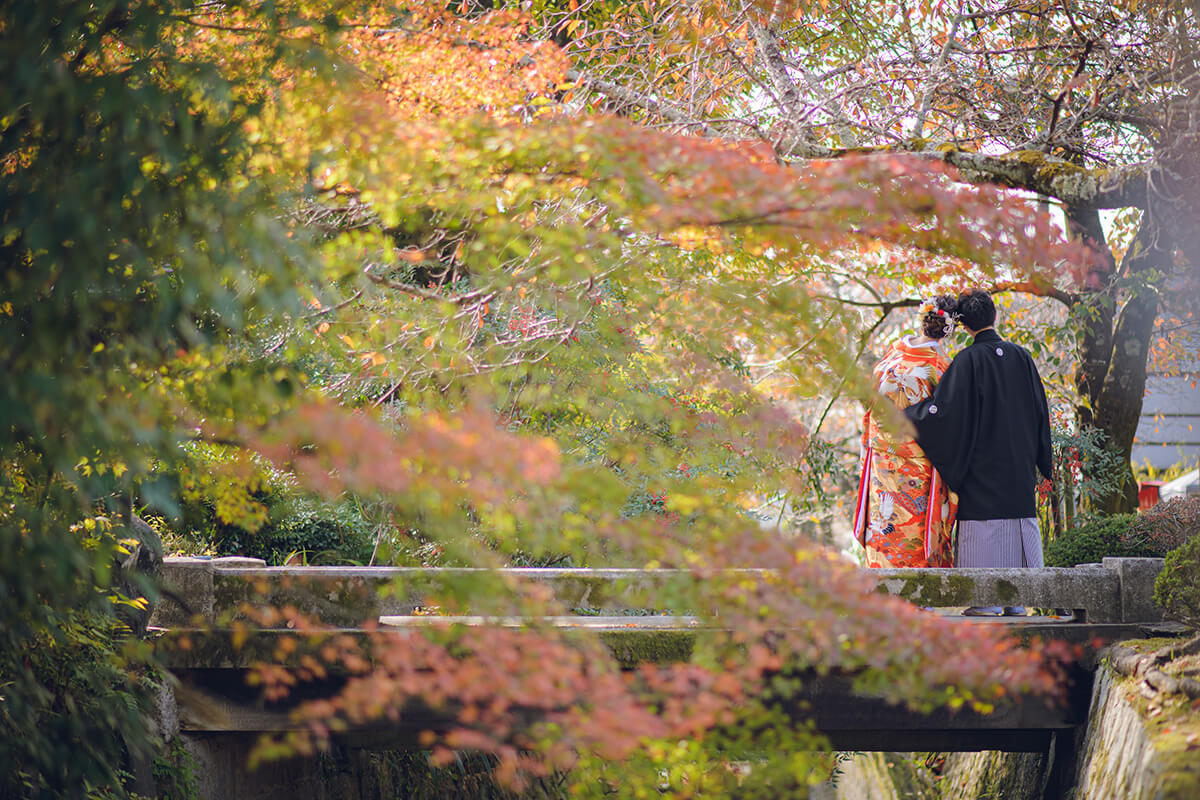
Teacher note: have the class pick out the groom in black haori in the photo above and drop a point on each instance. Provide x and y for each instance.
(986, 428)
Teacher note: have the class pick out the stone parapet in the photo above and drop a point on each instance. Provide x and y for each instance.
(188, 595)
(1115, 591)
(218, 591)
(1137, 576)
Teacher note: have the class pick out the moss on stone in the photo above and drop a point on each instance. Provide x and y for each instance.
(1006, 592)
(341, 602)
(631, 648)
(1181, 763)
(1173, 728)
(931, 589)
(992, 776)
(1150, 645)
(884, 776)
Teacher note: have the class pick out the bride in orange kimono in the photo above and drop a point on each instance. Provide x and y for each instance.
(905, 513)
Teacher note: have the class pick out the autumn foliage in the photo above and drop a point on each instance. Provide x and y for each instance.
(402, 254)
(534, 315)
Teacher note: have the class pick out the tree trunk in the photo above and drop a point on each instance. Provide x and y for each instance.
(1118, 407)
(1093, 311)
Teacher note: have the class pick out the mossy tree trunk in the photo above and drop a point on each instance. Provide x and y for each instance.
(1113, 348)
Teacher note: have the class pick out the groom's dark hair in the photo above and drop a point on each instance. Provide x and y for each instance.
(976, 309)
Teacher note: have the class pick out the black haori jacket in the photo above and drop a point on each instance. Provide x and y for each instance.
(986, 428)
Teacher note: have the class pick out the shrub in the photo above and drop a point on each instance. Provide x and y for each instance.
(322, 532)
(1093, 538)
(1177, 588)
(1150, 534)
(330, 533)
(1165, 527)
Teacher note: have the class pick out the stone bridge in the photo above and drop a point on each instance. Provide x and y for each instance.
(197, 623)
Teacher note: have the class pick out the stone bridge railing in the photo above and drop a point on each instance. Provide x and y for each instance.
(209, 655)
(1119, 590)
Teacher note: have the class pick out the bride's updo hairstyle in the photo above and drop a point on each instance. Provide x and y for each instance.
(937, 316)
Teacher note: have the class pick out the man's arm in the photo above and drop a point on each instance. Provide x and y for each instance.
(1045, 455)
(945, 421)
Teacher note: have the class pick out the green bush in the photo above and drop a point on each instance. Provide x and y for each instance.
(321, 532)
(67, 695)
(1177, 588)
(1150, 534)
(235, 504)
(1093, 538)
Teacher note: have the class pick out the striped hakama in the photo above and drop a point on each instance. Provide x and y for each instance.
(999, 543)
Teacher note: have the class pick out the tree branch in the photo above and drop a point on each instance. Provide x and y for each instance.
(1036, 172)
(1029, 170)
(927, 101)
(638, 100)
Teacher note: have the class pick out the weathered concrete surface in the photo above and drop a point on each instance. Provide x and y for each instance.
(346, 773)
(188, 599)
(1093, 589)
(221, 590)
(963, 776)
(1137, 577)
(879, 776)
(221, 773)
(1135, 750)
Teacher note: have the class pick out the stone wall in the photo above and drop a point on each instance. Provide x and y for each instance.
(879, 776)
(1138, 749)
(961, 776)
(218, 771)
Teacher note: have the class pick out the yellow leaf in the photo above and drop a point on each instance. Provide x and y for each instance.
(682, 503)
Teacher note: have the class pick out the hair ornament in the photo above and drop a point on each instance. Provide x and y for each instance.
(931, 307)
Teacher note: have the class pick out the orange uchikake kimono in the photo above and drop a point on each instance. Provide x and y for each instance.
(905, 513)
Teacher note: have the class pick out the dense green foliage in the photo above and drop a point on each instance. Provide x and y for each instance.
(514, 330)
(1085, 470)
(298, 527)
(1093, 538)
(1177, 588)
(126, 227)
(262, 513)
(1152, 533)
(75, 718)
